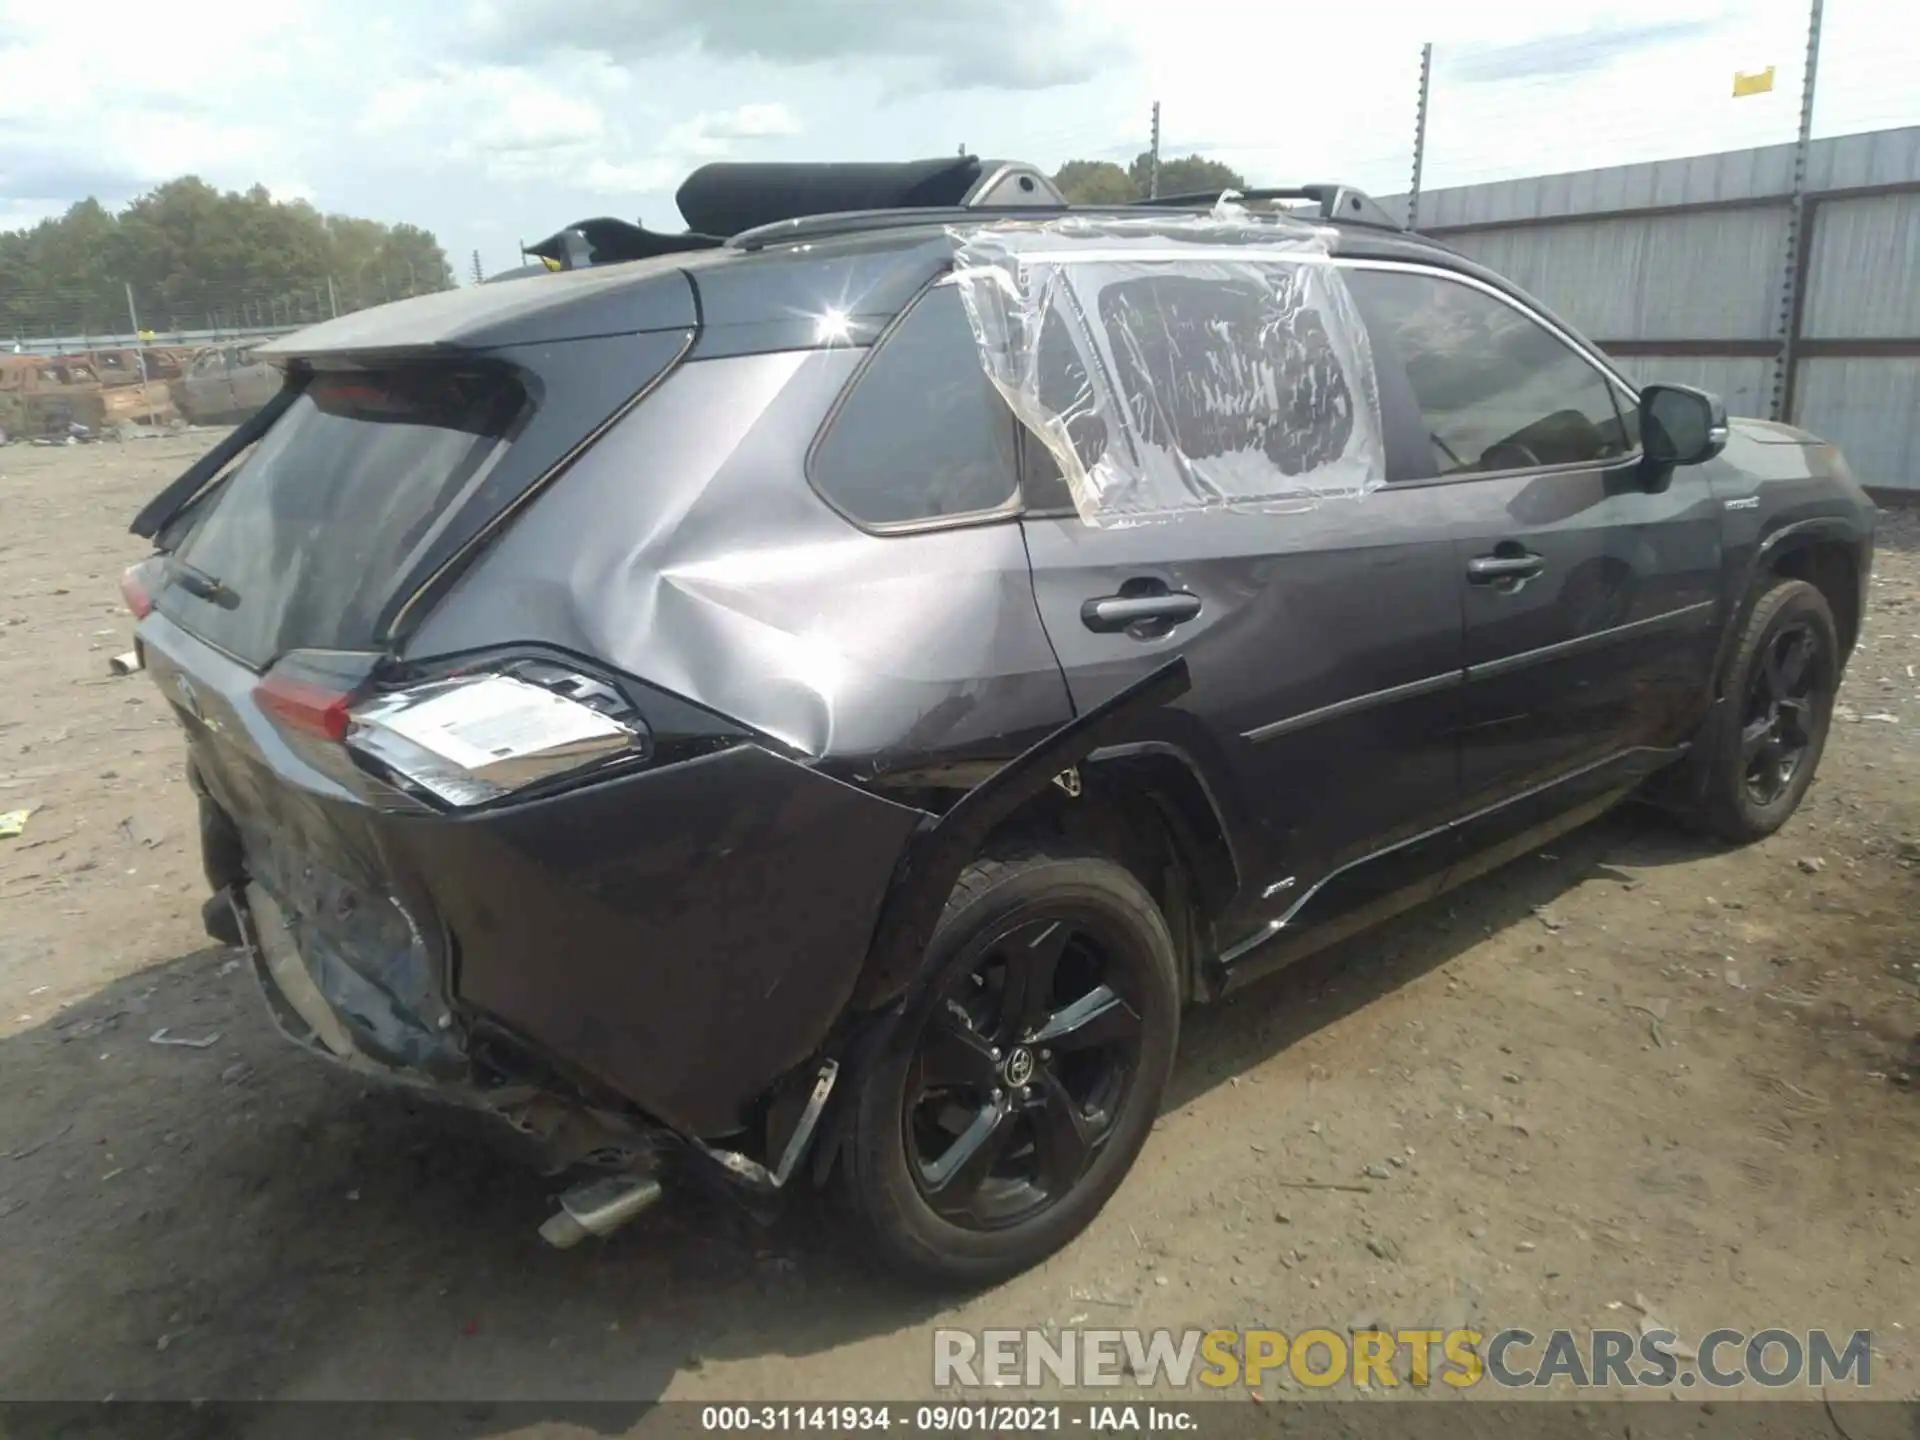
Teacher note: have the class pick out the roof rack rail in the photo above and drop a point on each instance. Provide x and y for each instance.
(1333, 202)
(751, 206)
(729, 198)
(850, 222)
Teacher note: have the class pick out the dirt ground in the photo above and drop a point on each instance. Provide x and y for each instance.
(1638, 1071)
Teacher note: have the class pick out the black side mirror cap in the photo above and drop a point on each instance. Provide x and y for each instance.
(1680, 425)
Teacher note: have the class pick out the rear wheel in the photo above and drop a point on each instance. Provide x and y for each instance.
(1773, 723)
(1013, 1098)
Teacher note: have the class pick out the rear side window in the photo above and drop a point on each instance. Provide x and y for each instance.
(923, 435)
(1208, 367)
(1496, 389)
(306, 542)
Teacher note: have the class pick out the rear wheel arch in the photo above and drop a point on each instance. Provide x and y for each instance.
(1147, 807)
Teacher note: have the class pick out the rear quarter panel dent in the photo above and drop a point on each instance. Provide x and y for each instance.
(687, 550)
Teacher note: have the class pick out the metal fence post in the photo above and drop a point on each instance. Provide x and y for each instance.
(140, 344)
(1419, 136)
(1153, 157)
(1799, 241)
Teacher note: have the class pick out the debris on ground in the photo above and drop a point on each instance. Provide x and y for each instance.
(161, 1037)
(13, 823)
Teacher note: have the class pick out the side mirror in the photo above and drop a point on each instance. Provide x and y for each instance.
(1680, 425)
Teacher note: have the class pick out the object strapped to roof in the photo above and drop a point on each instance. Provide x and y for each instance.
(726, 198)
(1178, 365)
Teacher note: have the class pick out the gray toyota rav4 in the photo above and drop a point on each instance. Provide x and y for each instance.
(810, 700)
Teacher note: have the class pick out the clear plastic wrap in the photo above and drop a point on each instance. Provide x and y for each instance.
(1173, 364)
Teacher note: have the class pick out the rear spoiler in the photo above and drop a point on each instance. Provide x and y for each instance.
(606, 241)
(171, 501)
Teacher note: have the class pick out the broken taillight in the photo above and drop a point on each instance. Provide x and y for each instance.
(463, 739)
(313, 709)
(137, 585)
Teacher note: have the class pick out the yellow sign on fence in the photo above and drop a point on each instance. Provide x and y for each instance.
(1759, 82)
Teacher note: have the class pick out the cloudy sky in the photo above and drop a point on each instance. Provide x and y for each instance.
(492, 121)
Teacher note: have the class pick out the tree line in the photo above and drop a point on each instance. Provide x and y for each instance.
(198, 256)
(1102, 182)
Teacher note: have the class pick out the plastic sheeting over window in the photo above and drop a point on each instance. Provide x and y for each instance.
(1180, 364)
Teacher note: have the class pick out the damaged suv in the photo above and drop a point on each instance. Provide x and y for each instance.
(812, 699)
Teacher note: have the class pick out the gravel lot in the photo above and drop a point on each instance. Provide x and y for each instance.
(1637, 1071)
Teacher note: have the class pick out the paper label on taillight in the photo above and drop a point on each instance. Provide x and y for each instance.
(486, 725)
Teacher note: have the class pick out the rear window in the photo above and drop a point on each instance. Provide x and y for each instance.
(923, 435)
(309, 538)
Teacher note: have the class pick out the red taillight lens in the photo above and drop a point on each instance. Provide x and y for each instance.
(313, 709)
(133, 589)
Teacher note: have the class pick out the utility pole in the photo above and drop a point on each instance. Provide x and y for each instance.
(333, 303)
(134, 316)
(1799, 242)
(478, 274)
(1153, 157)
(1420, 135)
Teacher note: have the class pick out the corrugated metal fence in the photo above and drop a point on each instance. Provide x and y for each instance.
(1678, 268)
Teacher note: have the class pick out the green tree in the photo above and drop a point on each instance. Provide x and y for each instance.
(1193, 175)
(1095, 182)
(1101, 182)
(197, 256)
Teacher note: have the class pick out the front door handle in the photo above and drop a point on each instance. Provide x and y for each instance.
(1145, 616)
(1489, 569)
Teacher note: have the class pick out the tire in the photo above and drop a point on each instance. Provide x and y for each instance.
(1733, 805)
(1062, 1143)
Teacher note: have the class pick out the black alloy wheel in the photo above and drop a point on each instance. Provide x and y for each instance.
(1778, 724)
(1761, 747)
(1017, 1087)
(1024, 1065)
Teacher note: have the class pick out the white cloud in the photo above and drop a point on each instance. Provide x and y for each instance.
(524, 115)
(753, 122)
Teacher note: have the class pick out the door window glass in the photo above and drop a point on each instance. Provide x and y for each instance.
(1496, 389)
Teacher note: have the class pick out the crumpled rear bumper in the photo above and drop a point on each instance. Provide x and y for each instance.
(679, 938)
(673, 942)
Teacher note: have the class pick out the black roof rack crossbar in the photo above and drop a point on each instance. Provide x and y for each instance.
(1333, 202)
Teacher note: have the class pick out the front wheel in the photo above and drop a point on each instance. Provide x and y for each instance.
(1016, 1092)
(1772, 726)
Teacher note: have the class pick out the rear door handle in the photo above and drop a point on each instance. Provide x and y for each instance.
(1486, 569)
(1111, 614)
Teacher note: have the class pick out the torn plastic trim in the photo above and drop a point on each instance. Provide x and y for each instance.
(1174, 365)
(304, 1014)
(564, 1130)
(942, 846)
(751, 1172)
